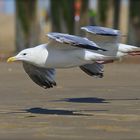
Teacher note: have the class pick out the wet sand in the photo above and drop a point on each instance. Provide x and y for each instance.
(79, 108)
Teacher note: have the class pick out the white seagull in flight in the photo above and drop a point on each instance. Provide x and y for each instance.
(62, 51)
(66, 51)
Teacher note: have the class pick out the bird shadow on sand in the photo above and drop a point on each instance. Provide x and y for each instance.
(85, 100)
(38, 110)
(95, 100)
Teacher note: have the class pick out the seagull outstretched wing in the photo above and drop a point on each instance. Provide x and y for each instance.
(98, 30)
(41, 76)
(94, 69)
(66, 40)
(106, 38)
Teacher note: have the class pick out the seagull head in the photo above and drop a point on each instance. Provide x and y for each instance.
(31, 55)
(24, 55)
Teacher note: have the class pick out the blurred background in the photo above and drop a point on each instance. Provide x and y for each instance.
(24, 23)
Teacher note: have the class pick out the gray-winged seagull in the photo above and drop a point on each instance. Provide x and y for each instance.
(62, 51)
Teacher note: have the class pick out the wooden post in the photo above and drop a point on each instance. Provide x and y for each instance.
(124, 19)
(27, 28)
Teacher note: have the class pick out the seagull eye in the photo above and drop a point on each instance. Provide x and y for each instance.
(24, 54)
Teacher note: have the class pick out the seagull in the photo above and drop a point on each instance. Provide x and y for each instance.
(62, 51)
(109, 39)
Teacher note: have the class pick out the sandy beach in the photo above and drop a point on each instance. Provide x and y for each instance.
(79, 108)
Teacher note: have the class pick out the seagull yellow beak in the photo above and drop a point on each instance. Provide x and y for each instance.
(11, 59)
